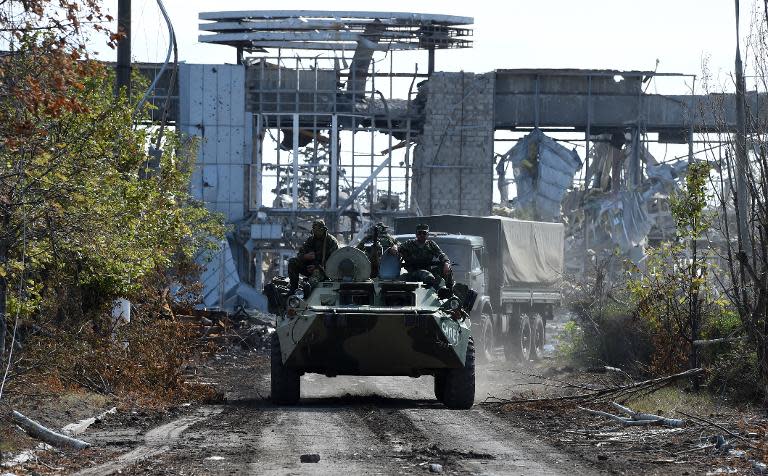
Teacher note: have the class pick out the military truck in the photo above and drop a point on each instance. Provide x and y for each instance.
(515, 266)
(354, 325)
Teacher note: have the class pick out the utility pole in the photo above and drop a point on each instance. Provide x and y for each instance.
(742, 164)
(124, 47)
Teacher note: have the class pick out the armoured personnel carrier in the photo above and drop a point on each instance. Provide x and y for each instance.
(351, 324)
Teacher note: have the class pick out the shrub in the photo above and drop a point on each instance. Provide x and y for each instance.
(736, 374)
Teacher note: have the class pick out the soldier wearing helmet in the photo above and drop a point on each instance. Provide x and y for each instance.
(312, 255)
(425, 261)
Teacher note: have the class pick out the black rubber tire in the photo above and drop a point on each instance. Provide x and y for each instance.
(439, 386)
(517, 345)
(525, 339)
(539, 337)
(459, 385)
(286, 384)
(486, 342)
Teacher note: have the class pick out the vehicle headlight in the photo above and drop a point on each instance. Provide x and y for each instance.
(294, 302)
(454, 303)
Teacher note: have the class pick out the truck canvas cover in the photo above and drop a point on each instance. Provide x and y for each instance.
(521, 254)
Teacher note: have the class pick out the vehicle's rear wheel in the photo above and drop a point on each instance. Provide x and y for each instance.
(439, 386)
(483, 330)
(459, 384)
(539, 337)
(286, 385)
(517, 346)
(525, 339)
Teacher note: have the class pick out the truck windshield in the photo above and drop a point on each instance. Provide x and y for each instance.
(460, 255)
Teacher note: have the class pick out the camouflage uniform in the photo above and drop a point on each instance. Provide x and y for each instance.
(322, 248)
(420, 262)
(384, 239)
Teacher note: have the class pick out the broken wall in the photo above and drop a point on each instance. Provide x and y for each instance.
(453, 161)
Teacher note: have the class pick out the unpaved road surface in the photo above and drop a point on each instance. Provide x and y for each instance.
(357, 425)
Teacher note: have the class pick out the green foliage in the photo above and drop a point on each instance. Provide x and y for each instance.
(606, 332)
(735, 374)
(83, 207)
(672, 292)
(572, 347)
(86, 219)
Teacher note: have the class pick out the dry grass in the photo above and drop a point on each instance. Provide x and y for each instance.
(669, 400)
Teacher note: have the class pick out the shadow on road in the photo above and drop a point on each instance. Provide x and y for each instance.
(320, 404)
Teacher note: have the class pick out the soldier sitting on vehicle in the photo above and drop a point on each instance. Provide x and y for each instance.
(421, 257)
(375, 243)
(312, 256)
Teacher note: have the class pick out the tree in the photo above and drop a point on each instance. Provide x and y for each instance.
(83, 220)
(672, 293)
(742, 198)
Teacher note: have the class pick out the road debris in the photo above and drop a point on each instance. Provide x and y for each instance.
(36, 430)
(310, 458)
(78, 428)
(606, 394)
(435, 468)
(635, 418)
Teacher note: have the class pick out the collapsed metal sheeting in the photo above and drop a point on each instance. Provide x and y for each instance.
(544, 171)
(614, 214)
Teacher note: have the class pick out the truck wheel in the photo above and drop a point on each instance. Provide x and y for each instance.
(459, 384)
(517, 347)
(486, 342)
(524, 339)
(439, 386)
(286, 385)
(539, 338)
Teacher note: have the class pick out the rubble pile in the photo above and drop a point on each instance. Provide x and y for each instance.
(244, 328)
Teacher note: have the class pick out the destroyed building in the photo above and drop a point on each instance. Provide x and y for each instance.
(346, 116)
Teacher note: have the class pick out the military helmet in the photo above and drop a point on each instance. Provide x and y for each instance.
(319, 225)
(422, 227)
(381, 226)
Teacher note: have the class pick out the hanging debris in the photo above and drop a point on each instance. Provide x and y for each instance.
(544, 171)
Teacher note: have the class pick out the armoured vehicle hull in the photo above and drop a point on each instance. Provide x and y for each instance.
(352, 325)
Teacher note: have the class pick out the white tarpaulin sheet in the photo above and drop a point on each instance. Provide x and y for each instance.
(533, 252)
(519, 253)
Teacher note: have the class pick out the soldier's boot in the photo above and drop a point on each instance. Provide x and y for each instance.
(294, 267)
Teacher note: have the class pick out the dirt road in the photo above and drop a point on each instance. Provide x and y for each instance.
(356, 425)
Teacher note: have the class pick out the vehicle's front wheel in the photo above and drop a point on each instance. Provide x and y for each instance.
(286, 385)
(459, 384)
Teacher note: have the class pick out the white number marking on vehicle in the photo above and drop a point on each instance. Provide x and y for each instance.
(451, 332)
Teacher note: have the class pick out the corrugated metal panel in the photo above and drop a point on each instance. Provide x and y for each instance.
(212, 110)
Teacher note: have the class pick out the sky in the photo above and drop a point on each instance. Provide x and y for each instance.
(596, 34)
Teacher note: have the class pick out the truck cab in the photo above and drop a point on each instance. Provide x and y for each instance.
(467, 255)
(515, 267)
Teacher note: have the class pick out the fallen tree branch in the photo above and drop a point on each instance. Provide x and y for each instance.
(711, 423)
(610, 393)
(703, 343)
(634, 420)
(36, 430)
(672, 422)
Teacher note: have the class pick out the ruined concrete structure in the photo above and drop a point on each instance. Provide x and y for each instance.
(453, 161)
(341, 135)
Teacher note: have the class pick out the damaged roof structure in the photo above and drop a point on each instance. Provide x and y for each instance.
(315, 121)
